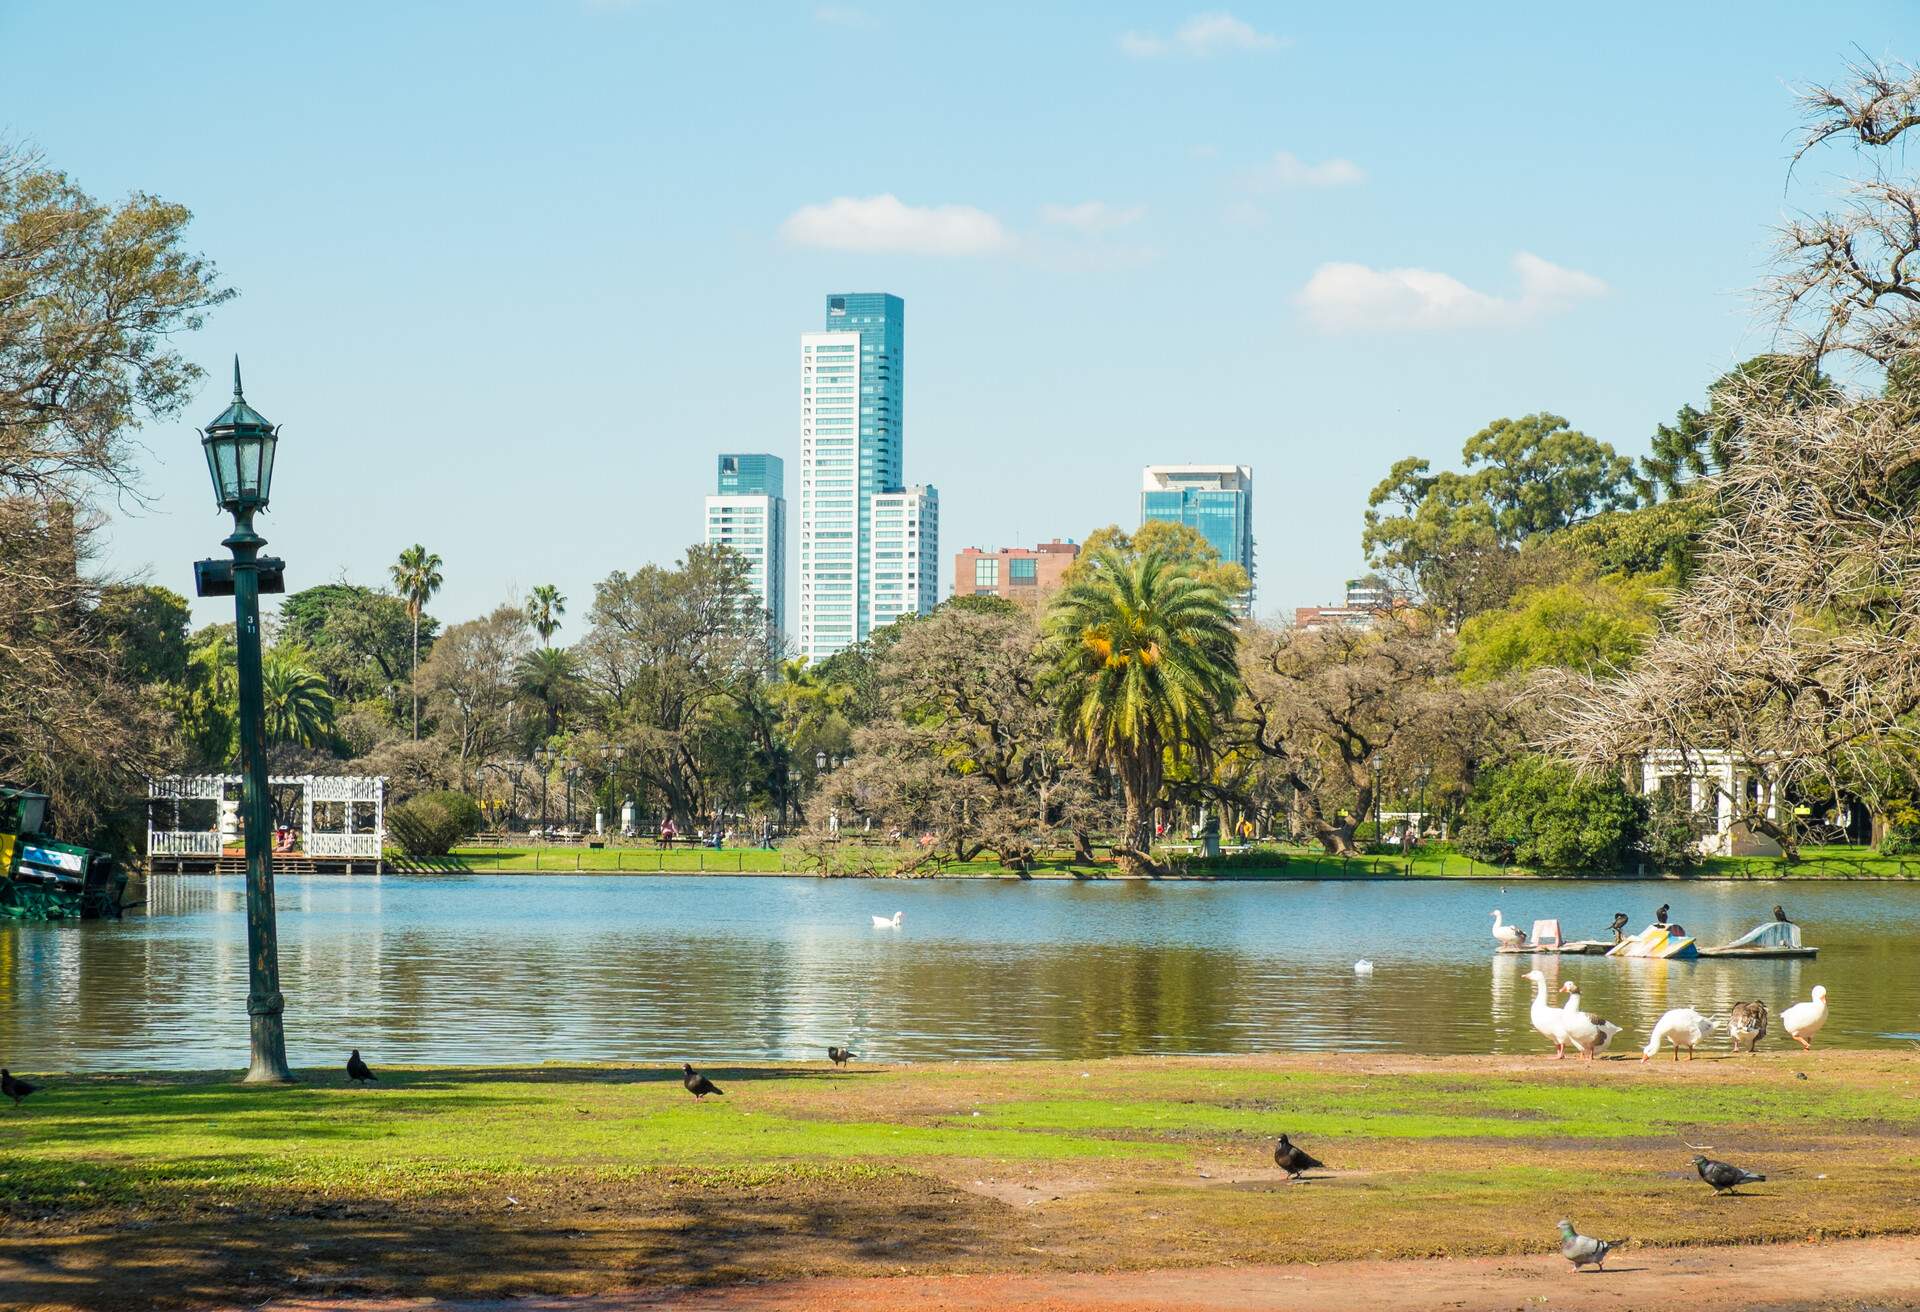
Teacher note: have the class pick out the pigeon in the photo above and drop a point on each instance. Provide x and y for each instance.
(1293, 1161)
(841, 1056)
(1747, 1020)
(1583, 1250)
(357, 1070)
(15, 1088)
(1619, 923)
(1724, 1176)
(697, 1084)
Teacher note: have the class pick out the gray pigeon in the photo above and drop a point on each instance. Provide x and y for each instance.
(1724, 1176)
(1583, 1250)
(1294, 1161)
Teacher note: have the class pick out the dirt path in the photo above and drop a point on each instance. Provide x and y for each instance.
(1854, 1274)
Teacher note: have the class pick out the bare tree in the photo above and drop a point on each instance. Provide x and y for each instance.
(471, 680)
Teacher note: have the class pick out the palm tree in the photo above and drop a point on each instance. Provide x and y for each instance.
(416, 577)
(297, 707)
(544, 609)
(547, 675)
(1141, 666)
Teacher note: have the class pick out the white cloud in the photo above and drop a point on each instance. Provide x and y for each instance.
(887, 224)
(1093, 215)
(1287, 169)
(839, 16)
(1200, 36)
(1356, 297)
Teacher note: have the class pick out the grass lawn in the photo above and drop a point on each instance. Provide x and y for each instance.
(1271, 862)
(176, 1191)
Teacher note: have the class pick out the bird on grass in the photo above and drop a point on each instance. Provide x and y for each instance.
(841, 1056)
(1683, 1027)
(1803, 1020)
(1589, 1033)
(1583, 1250)
(1293, 1160)
(1747, 1021)
(357, 1070)
(15, 1088)
(697, 1084)
(1725, 1177)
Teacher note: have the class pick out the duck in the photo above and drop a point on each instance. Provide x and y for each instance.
(1363, 967)
(1747, 1020)
(889, 922)
(1803, 1020)
(1545, 1018)
(1589, 1033)
(1511, 936)
(1684, 1028)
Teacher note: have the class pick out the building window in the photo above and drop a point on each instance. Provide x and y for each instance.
(1021, 572)
(986, 572)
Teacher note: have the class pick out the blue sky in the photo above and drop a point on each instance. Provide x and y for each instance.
(512, 273)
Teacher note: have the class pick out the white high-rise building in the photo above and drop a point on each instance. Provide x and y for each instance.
(748, 512)
(852, 381)
(903, 555)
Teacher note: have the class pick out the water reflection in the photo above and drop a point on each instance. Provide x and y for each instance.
(535, 968)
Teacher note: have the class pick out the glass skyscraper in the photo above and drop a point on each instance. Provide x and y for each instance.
(748, 512)
(1215, 499)
(852, 386)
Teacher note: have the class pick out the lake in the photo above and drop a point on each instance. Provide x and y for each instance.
(509, 969)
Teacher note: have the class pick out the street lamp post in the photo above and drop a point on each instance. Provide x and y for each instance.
(1425, 772)
(544, 756)
(239, 446)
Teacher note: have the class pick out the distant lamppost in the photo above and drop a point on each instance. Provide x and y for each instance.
(1425, 772)
(820, 761)
(1373, 763)
(544, 756)
(239, 446)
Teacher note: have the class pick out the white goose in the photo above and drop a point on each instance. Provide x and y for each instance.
(1684, 1028)
(1803, 1020)
(1507, 935)
(1363, 967)
(1545, 1017)
(1589, 1033)
(889, 922)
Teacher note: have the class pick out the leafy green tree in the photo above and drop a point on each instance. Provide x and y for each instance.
(360, 641)
(1700, 442)
(297, 707)
(416, 577)
(1541, 814)
(146, 631)
(1454, 533)
(550, 676)
(1591, 626)
(545, 606)
(210, 709)
(1141, 666)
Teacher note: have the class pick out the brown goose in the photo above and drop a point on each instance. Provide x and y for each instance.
(1748, 1021)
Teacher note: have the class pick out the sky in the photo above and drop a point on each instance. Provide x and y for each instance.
(512, 273)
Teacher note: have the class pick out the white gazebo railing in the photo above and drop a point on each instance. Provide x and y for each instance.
(358, 833)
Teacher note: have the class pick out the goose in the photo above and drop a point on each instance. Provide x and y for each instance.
(1545, 1018)
(1363, 967)
(1684, 1028)
(1748, 1021)
(1803, 1020)
(889, 922)
(1589, 1033)
(1507, 935)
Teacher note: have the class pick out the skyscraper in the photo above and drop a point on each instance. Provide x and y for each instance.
(903, 555)
(748, 512)
(852, 383)
(1216, 499)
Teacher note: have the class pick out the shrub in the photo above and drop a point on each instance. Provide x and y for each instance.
(1540, 814)
(1901, 837)
(430, 824)
(1670, 834)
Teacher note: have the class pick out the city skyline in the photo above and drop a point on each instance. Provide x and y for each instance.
(1223, 266)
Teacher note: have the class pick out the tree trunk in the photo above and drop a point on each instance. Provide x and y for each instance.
(413, 678)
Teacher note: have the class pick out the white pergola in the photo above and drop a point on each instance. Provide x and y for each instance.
(348, 842)
(1718, 773)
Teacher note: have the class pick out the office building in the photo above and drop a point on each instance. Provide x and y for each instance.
(852, 385)
(903, 555)
(1215, 499)
(748, 512)
(1366, 601)
(1013, 572)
